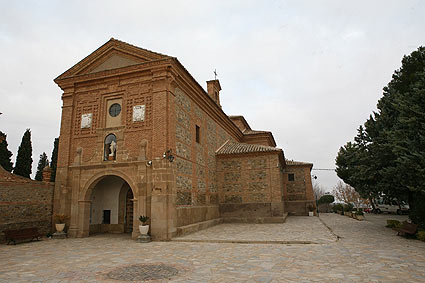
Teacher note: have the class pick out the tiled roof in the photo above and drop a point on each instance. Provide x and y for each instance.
(292, 162)
(236, 148)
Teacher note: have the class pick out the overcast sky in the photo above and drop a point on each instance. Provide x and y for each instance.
(309, 71)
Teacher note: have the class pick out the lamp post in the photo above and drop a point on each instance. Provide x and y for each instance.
(314, 177)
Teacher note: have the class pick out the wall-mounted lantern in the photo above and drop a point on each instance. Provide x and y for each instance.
(168, 155)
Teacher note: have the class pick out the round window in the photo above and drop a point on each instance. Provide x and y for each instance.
(114, 110)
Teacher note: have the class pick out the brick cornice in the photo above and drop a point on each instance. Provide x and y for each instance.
(142, 67)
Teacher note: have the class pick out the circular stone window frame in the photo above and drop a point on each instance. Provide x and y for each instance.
(113, 112)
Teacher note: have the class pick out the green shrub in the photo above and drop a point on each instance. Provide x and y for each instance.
(421, 235)
(326, 199)
(337, 207)
(417, 211)
(393, 223)
(359, 212)
(348, 207)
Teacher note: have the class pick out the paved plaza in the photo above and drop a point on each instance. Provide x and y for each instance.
(332, 248)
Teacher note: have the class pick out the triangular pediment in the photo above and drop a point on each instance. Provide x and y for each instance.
(114, 60)
(114, 54)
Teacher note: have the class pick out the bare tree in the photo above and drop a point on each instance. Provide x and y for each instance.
(346, 193)
(318, 190)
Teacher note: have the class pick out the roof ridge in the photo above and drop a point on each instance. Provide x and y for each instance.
(106, 47)
(222, 146)
(137, 47)
(293, 162)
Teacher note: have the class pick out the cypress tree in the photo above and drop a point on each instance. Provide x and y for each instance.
(5, 154)
(43, 162)
(24, 157)
(54, 162)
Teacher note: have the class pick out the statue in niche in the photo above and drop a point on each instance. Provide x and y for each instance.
(110, 147)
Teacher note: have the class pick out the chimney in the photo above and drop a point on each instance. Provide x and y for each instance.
(213, 88)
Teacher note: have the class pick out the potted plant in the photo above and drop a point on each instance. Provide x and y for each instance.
(310, 210)
(144, 228)
(60, 221)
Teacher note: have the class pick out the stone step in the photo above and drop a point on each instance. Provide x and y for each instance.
(191, 228)
(258, 220)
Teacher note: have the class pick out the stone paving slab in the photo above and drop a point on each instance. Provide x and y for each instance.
(366, 252)
(296, 230)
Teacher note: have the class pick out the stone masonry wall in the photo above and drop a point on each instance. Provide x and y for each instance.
(298, 194)
(25, 204)
(196, 162)
(250, 186)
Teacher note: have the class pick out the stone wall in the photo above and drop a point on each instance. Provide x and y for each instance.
(298, 194)
(250, 185)
(24, 203)
(196, 161)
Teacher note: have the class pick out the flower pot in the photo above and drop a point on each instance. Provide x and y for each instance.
(144, 229)
(311, 213)
(60, 227)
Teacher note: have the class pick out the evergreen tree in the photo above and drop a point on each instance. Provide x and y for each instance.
(5, 153)
(403, 113)
(388, 155)
(43, 162)
(54, 162)
(24, 157)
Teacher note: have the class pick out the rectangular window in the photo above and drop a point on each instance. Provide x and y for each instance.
(106, 217)
(198, 134)
(291, 177)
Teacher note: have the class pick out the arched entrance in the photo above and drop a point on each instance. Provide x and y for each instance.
(111, 206)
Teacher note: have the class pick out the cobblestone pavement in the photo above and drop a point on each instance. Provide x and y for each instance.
(366, 252)
(302, 229)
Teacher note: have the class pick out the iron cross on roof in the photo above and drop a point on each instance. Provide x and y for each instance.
(215, 74)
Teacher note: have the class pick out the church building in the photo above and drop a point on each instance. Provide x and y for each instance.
(139, 136)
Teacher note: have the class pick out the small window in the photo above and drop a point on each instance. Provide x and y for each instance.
(198, 134)
(106, 217)
(291, 177)
(115, 110)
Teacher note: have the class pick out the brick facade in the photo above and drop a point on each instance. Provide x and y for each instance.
(162, 111)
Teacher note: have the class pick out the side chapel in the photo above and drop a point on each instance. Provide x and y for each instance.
(139, 136)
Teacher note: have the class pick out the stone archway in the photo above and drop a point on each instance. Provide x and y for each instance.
(103, 205)
(108, 205)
